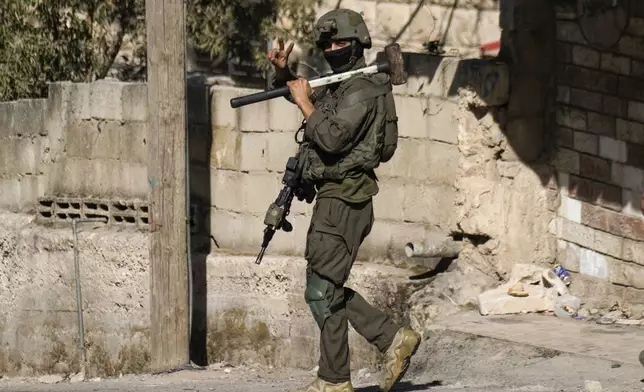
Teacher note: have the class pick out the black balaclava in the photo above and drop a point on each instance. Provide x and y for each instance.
(344, 59)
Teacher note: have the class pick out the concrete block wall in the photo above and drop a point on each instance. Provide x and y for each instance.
(600, 139)
(23, 145)
(252, 144)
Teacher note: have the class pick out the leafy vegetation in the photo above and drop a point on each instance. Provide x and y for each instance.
(44, 41)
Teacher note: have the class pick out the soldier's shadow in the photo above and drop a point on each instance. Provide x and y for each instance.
(403, 387)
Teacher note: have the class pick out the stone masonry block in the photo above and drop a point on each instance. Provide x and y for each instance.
(593, 264)
(442, 123)
(635, 155)
(627, 176)
(28, 117)
(254, 152)
(567, 161)
(79, 100)
(636, 27)
(594, 167)
(590, 191)
(630, 131)
(586, 99)
(585, 142)
(633, 251)
(631, 88)
(226, 148)
(616, 64)
(105, 100)
(585, 78)
(612, 149)
(585, 56)
(411, 113)
(425, 160)
(134, 102)
(632, 46)
(608, 243)
(10, 191)
(612, 222)
(632, 202)
(488, 79)
(564, 52)
(614, 106)
(227, 190)
(637, 69)
(626, 274)
(636, 111)
(281, 146)
(577, 233)
(565, 137)
(570, 32)
(284, 116)
(571, 118)
(568, 255)
(563, 94)
(570, 209)
(390, 199)
(600, 124)
(237, 231)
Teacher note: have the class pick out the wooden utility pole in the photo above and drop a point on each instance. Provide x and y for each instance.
(169, 290)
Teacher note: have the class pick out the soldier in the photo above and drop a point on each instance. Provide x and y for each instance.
(337, 118)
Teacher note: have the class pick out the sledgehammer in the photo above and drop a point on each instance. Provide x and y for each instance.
(393, 65)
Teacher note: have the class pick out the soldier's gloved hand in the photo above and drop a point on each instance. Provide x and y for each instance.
(300, 90)
(279, 57)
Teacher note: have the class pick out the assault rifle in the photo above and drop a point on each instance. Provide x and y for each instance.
(275, 218)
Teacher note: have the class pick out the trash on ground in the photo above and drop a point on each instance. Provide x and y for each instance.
(530, 289)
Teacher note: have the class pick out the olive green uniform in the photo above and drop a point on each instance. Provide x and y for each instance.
(342, 218)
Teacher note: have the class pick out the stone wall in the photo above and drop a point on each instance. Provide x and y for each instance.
(600, 139)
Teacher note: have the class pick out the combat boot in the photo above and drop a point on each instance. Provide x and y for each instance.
(320, 385)
(398, 356)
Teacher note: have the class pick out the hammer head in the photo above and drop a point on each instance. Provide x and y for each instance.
(396, 63)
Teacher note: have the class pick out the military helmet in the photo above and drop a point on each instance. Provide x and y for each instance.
(342, 25)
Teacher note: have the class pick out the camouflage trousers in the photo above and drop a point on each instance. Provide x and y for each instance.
(335, 234)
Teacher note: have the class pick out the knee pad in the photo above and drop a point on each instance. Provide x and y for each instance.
(315, 296)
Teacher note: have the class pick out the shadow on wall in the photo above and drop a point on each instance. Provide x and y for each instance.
(199, 146)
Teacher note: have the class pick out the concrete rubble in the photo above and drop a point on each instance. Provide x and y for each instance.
(529, 289)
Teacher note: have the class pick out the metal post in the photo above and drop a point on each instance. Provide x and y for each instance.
(79, 298)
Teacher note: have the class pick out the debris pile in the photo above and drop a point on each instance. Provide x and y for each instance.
(530, 289)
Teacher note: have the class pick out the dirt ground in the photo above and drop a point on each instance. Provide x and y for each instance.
(447, 361)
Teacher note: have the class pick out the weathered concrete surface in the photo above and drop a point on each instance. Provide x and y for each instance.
(258, 313)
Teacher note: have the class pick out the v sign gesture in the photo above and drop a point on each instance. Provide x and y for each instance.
(279, 57)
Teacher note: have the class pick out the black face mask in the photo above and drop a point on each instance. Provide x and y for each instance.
(342, 60)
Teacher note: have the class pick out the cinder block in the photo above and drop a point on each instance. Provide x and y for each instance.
(567, 161)
(20, 156)
(429, 204)
(222, 115)
(284, 116)
(81, 136)
(6, 119)
(577, 233)
(442, 120)
(254, 152)
(105, 100)
(10, 191)
(617, 64)
(135, 175)
(227, 190)
(411, 116)
(612, 149)
(134, 102)
(389, 202)
(29, 117)
(259, 190)
(626, 274)
(79, 105)
(255, 117)
(593, 264)
(608, 244)
(391, 19)
(632, 46)
(236, 231)
(281, 146)
(226, 148)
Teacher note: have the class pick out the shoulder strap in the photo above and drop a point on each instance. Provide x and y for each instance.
(366, 94)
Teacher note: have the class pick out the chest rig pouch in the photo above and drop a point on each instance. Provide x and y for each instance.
(375, 142)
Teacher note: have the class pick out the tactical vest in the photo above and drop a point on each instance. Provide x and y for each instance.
(373, 145)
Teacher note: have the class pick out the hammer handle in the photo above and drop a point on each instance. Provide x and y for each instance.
(314, 83)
